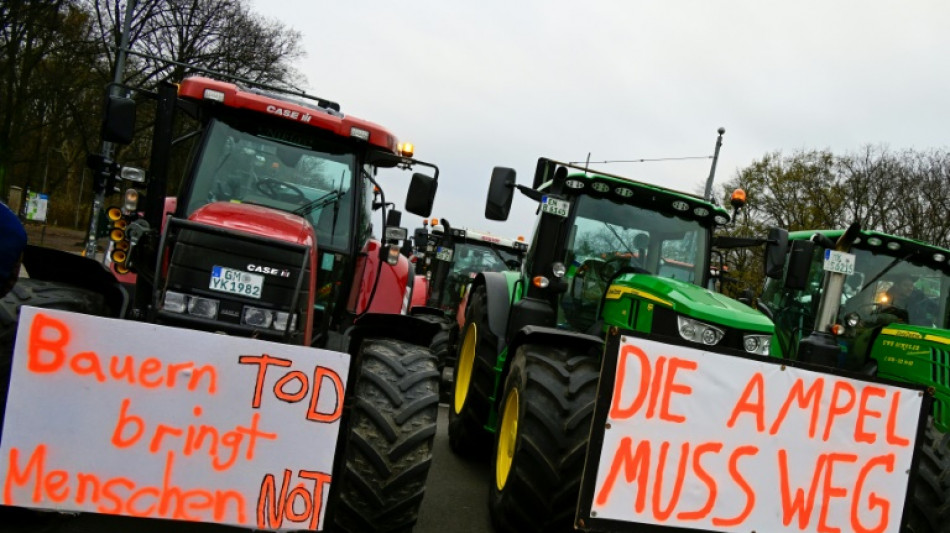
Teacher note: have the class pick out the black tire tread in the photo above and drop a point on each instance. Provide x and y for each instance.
(467, 435)
(443, 346)
(930, 500)
(389, 449)
(557, 389)
(44, 294)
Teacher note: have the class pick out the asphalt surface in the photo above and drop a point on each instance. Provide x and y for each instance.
(456, 501)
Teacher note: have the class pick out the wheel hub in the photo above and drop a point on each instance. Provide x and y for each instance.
(507, 437)
(463, 377)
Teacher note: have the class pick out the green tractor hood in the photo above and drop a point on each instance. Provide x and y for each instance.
(689, 300)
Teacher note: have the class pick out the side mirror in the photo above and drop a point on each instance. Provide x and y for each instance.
(799, 263)
(776, 246)
(421, 195)
(501, 190)
(118, 121)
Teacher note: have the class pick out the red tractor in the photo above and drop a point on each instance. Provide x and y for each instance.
(271, 235)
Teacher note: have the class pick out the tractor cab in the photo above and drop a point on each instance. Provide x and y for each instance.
(610, 251)
(272, 230)
(893, 313)
(456, 255)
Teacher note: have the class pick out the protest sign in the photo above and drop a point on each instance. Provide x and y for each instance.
(122, 417)
(694, 439)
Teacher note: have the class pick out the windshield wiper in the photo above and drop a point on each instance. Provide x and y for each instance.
(619, 239)
(331, 197)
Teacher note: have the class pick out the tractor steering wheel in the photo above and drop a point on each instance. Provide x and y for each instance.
(280, 190)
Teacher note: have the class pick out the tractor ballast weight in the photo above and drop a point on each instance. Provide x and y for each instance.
(860, 322)
(271, 236)
(608, 252)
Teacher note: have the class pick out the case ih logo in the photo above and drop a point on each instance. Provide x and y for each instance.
(270, 271)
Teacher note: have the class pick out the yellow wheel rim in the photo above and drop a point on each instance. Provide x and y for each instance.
(463, 376)
(507, 437)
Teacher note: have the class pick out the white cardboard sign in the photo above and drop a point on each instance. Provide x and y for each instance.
(708, 441)
(122, 417)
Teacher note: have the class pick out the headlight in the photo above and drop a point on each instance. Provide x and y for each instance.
(266, 318)
(175, 302)
(558, 269)
(757, 344)
(203, 307)
(696, 331)
(280, 321)
(259, 318)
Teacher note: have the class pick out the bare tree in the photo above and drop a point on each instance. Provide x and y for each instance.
(219, 35)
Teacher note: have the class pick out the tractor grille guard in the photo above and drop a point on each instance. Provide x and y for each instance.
(190, 250)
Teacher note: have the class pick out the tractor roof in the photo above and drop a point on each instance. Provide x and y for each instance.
(316, 112)
(629, 191)
(892, 245)
(480, 236)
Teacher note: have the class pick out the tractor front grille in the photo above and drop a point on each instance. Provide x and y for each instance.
(277, 271)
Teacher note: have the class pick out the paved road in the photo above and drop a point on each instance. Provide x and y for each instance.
(457, 491)
(456, 501)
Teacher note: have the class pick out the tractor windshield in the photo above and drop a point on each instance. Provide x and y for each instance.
(280, 169)
(470, 259)
(883, 289)
(621, 235)
(607, 236)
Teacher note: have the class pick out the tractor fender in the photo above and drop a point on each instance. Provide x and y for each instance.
(406, 328)
(499, 301)
(577, 342)
(47, 264)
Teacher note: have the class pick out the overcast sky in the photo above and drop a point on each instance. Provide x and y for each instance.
(489, 83)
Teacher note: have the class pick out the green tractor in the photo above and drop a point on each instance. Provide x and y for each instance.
(878, 305)
(451, 258)
(607, 252)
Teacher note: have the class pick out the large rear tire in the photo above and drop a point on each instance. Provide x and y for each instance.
(541, 443)
(392, 431)
(930, 501)
(474, 381)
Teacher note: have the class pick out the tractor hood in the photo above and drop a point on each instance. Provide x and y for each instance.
(256, 220)
(690, 300)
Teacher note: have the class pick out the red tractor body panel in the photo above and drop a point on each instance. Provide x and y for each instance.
(392, 291)
(233, 96)
(420, 291)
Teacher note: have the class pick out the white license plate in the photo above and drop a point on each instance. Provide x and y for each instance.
(555, 207)
(232, 281)
(841, 262)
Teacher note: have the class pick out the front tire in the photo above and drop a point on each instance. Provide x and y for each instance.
(541, 444)
(930, 500)
(392, 430)
(474, 381)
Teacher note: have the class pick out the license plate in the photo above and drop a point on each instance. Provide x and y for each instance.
(555, 206)
(232, 281)
(443, 254)
(840, 262)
